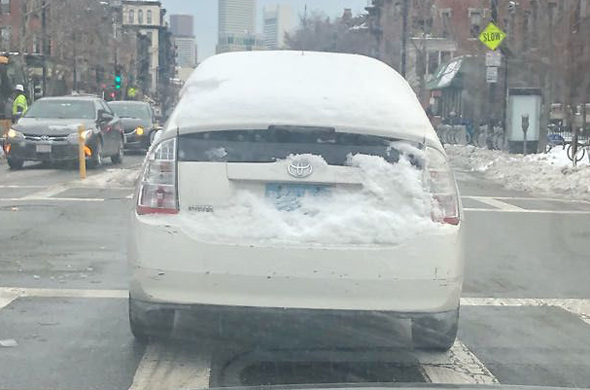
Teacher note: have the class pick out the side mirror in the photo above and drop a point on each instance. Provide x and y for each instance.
(104, 116)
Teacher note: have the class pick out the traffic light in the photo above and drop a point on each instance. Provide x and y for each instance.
(118, 81)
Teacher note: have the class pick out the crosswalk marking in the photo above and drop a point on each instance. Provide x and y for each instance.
(49, 192)
(525, 211)
(496, 203)
(82, 200)
(458, 366)
(172, 366)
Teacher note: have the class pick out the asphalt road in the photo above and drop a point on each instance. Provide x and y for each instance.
(63, 312)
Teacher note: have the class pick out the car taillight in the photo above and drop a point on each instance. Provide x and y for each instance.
(441, 184)
(157, 191)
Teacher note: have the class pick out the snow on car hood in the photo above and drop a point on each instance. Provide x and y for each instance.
(254, 90)
(391, 207)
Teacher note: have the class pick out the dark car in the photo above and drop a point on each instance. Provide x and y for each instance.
(49, 132)
(138, 122)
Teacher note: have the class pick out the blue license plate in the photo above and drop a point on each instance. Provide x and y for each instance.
(287, 197)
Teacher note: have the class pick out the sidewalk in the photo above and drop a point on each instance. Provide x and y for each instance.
(549, 174)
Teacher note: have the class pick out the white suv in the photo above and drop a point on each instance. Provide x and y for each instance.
(302, 181)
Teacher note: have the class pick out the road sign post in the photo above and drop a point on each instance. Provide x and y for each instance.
(492, 37)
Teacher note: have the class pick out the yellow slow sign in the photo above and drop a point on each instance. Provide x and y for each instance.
(492, 36)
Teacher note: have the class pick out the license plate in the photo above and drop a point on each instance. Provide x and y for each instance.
(43, 148)
(287, 196)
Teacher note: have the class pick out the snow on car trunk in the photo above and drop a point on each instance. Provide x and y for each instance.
(388, 206)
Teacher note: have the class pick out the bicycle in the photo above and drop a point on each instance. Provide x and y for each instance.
(581, 150)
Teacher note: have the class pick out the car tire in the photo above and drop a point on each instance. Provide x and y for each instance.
(147, 324)
(118, 158)
(96, 160)
(436, 332)
(15, 164)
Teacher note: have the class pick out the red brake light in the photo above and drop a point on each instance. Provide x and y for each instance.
(157, 191)
(441, 184)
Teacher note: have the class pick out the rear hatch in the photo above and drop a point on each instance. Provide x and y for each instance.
(301, 185)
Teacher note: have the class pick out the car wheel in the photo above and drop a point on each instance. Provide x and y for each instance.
(15, 163)
(95, 161)
(118, 158)
(436, 332)
(146, 324)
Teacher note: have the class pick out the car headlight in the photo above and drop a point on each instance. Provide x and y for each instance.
(139, 130)
(74, 137)
(13, 134)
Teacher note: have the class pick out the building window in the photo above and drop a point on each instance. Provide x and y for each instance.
(446, 23)
(5, 38)
(526, 29)
(131, 16)
(5, 7)
(432, 62)
(149, 16)
(140, 17)
(475, 22)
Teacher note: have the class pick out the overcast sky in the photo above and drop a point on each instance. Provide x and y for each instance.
(205, 12)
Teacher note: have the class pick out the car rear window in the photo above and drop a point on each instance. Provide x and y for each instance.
(278, 143)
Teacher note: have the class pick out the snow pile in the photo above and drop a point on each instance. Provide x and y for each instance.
(113, 178)
(544, 174)
(391, 207)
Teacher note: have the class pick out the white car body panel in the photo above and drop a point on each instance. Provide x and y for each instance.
(171, 264)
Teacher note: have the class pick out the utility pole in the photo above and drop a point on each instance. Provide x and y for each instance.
(75, 84)
(44, 44)
(492, 86)
(404, 53)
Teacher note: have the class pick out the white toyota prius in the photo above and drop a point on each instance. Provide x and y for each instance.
(298, 181)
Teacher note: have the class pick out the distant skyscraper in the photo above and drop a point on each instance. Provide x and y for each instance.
(182, 25)
(278, 20)
(237, 26)
(182, 28)
(186, 52)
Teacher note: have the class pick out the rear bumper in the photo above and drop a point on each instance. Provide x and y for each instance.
(169, 267)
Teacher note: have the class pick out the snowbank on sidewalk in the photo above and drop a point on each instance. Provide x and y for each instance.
(548, 174)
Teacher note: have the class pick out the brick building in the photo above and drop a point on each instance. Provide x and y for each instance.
(14, 14)
(545, 49)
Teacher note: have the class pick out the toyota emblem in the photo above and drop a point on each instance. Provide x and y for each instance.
(300, 168)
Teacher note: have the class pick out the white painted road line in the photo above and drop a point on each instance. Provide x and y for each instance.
(457, 366)
(6, 299)
(62, 293)
(48, 193)
(166, 366)
(24, 187)
(525, 211)
(521, 198)
(31, 199)
(496, 203)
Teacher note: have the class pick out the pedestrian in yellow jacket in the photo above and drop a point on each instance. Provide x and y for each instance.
(20, 105)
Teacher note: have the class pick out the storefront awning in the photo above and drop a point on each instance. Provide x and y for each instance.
(446, 74)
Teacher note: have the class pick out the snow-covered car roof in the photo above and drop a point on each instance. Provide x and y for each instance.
(255, 90)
